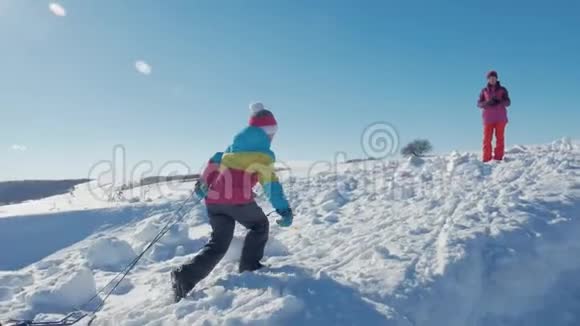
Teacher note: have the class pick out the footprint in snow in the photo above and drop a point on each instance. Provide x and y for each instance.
(419, 231)
(331, 218)
(486, 170)
(385, 253)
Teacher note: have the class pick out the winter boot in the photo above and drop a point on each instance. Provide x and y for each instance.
(251, 267)
(181, 286)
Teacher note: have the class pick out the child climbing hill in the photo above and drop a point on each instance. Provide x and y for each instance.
(226, 185)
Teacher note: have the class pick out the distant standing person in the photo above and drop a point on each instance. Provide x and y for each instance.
(494, 100)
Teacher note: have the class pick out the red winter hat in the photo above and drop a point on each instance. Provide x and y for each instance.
(262, 117)
(492, 73)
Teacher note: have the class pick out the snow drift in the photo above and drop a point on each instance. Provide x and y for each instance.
(443, 240)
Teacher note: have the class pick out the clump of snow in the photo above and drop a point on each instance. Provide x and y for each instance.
(331, 217)
(146, 230)
(124, 287)
(110, 254)
(456, 159)
(176, 242)
(517, 149)
(177, 234)
(160, 252)
(274, 248)
(331, 200)
(415, 161)
(564, 145)
(69, 290)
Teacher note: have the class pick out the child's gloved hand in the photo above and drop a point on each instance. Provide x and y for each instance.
(201, 189)
(287, 217)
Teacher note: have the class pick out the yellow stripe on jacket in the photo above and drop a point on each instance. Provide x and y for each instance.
(251, 162)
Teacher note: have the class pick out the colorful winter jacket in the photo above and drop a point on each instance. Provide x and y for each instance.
(497, 112)
(231, 175)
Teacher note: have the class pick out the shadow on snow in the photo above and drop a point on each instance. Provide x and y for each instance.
(325, 301)
(33, 237)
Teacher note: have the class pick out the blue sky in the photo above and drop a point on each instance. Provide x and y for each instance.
(70, 90)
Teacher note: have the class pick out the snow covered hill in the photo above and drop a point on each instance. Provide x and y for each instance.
(19, 191)
(446, 240)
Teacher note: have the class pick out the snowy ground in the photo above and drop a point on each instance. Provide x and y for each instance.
(444, 241)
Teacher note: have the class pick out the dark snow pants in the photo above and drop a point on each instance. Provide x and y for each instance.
(222, 219)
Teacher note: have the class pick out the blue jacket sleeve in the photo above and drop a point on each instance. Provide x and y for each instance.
(276, 195)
